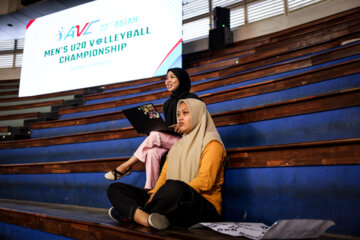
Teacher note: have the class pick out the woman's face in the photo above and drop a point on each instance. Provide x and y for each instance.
(172, 82)
(184, 118)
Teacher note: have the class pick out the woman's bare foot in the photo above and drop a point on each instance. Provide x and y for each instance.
(154, 220)
(141, 217)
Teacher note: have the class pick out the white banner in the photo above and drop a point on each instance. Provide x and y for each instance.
(101, 42)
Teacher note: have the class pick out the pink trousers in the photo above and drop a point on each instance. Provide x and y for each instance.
(150, 152)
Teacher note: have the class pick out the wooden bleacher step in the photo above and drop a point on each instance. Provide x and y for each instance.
(332, 152)
(88, 223)
(25, 119)
(18, 113)
(342, 99)
(131, 83)
(34, 215)
(6, 87)
(211, 98)
(93, 223)
(19, 101)
(287, 66)
(257, 55)
(71, 93)
(301, 79)
(8, 94)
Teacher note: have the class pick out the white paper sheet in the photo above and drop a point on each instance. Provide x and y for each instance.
(282, 229)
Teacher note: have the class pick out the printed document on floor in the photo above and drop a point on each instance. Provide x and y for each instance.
(282, 229)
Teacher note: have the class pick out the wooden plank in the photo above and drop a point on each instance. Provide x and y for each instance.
(68, 227)
(336, 54)
(73, 138)
(124, 92)
(83, 120)
(324, 102)
(332, 152)
(12, 81)
(89, 223)
(4, 129)
(32, 105)
(9, 86)
(132, 82)
(336, 152)
(297, 80)
(219, 62)
(92, 165)
(19, 116)
(131, 100)
(320, 103)
(8, 93)
(50, 95)
(93, 223)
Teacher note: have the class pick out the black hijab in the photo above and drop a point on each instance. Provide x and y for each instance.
(182, 92)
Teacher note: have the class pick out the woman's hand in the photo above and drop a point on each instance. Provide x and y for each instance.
(176, 128)
(150, 199)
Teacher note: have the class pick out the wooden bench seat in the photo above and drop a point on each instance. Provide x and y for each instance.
(93, 223)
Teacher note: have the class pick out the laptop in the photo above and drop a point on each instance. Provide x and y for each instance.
(145, 118)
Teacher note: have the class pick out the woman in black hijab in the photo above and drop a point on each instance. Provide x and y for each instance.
(182, 92)
(158, 143)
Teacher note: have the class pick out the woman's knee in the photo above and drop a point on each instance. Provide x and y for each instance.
(114, 189)
(154, 137)
(155, 154)
(154, 134)
(174, 188)
(111, 189)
